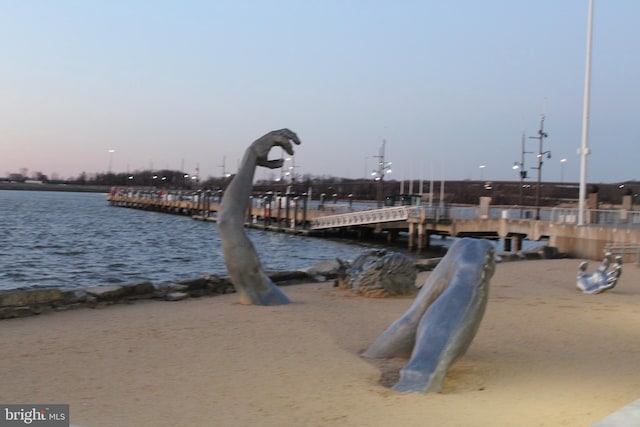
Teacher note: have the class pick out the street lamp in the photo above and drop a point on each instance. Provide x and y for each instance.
(562, 162)
(540, 155)
(523, 172)
(291, 170)
(584, 151)
(482, 172)
(378, 174)
(111, 159)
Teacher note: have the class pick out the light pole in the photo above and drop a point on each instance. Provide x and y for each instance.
(584, 150)
(291, 170)
(541, 136)
(482, 172)
(523, 172)
(110, 159)
(562, 162)
(223, 166)
(378, 174)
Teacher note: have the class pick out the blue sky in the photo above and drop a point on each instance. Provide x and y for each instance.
(450, 86)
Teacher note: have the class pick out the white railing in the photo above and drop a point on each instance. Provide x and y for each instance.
(431, 213)
(398, 213)
(618, 218)
(376, 216)
(622, 249)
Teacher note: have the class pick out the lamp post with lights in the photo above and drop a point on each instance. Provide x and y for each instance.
(523, 172)
(378, 174)
(541, 136)
(110, 159)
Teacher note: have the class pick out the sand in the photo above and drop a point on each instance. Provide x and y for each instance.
(545, 355)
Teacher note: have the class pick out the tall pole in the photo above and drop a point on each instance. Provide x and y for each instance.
(523, 173)
(442, 190)
(540, 133)
(431, 184)
(584, 149)
(383, 168)
(411, 178)
(111, 159)
(541, 136)
(223, 166)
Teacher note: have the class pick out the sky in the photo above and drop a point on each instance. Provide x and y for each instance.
(452, 87)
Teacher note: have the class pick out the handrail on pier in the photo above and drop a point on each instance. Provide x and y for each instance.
(624, 249)
(376, 216)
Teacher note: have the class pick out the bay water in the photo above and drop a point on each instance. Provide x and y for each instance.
(75, 240)
(70, 239)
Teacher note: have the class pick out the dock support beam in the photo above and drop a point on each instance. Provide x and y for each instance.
(412, 236)
(518, 243)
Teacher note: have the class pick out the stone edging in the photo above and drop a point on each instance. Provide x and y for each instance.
(23, 303)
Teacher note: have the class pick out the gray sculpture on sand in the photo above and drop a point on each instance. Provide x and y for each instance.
(378, 274)
(443, 320)
(602, 279)
(241, 258)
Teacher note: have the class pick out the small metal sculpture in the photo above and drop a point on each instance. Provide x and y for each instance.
(378, 274)
(240, 256)
(443, 320)
(602, 279)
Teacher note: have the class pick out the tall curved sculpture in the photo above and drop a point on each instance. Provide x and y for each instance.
(241, 258)
(443, 320)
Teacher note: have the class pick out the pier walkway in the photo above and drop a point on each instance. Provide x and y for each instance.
(617, 230)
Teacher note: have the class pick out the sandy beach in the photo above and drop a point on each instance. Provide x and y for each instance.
(545, 355)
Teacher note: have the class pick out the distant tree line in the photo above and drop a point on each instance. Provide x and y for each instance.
(341, 189)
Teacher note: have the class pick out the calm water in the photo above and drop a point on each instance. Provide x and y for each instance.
(62, 239)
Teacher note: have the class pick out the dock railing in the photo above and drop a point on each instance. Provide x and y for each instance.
(373, 216)
(343, 214)
(377, 216)
(625, 250)
(617, 218)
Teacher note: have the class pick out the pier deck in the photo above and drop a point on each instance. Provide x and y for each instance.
(610, 229)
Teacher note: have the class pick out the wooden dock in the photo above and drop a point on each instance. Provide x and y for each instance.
(288, 216)
(606, 229)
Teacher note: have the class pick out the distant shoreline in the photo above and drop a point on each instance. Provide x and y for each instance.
(54, 187)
